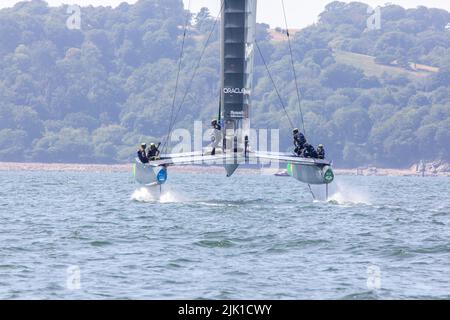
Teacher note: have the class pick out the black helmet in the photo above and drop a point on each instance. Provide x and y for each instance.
(295, 130)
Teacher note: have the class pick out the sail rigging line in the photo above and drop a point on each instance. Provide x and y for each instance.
(274, 85)
(293, 69)
(193, 76)
(180, 61)
(296, 79)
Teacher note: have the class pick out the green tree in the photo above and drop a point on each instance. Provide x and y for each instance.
(341, 76)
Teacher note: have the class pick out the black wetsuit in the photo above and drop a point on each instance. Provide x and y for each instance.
(321, 153)
(152, 154)
(299, 142)
(309, 152)
(142, 156)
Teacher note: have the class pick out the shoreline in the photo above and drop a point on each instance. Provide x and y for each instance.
(74, 167)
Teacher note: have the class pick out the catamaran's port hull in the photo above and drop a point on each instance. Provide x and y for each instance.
(148, 175)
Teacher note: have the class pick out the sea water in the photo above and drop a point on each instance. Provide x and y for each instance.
(68, 235)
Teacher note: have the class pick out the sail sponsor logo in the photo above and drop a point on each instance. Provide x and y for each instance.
(237, 114)
(236, 91)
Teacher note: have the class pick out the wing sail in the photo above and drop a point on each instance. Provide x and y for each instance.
(237, 60)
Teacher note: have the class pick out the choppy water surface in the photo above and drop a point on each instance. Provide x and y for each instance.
(245, 237)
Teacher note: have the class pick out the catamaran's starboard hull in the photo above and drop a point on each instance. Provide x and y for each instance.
(311, 174)
(148, 175)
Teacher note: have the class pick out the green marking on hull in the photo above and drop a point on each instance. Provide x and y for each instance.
(289, 169)
(134, 171)
(328, 175)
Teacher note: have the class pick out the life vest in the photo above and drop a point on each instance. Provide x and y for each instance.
(142, 156)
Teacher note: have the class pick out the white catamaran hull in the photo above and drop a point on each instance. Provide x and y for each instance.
(149, 175)
(311, 174)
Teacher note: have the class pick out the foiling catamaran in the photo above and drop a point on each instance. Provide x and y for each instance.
(238, 26)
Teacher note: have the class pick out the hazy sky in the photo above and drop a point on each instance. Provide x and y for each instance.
(300, 12)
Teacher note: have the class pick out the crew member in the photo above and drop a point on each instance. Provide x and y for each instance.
(299, 141)
(321, 152)
(216, 136)
(153, 152)
(215, 124)
(142, 153)
(309, 151)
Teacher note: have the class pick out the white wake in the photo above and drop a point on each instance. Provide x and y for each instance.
(153, 194)
(343, 193)
(346, 193)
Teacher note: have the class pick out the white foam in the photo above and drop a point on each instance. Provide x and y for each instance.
(344, 193)
(153, 194)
